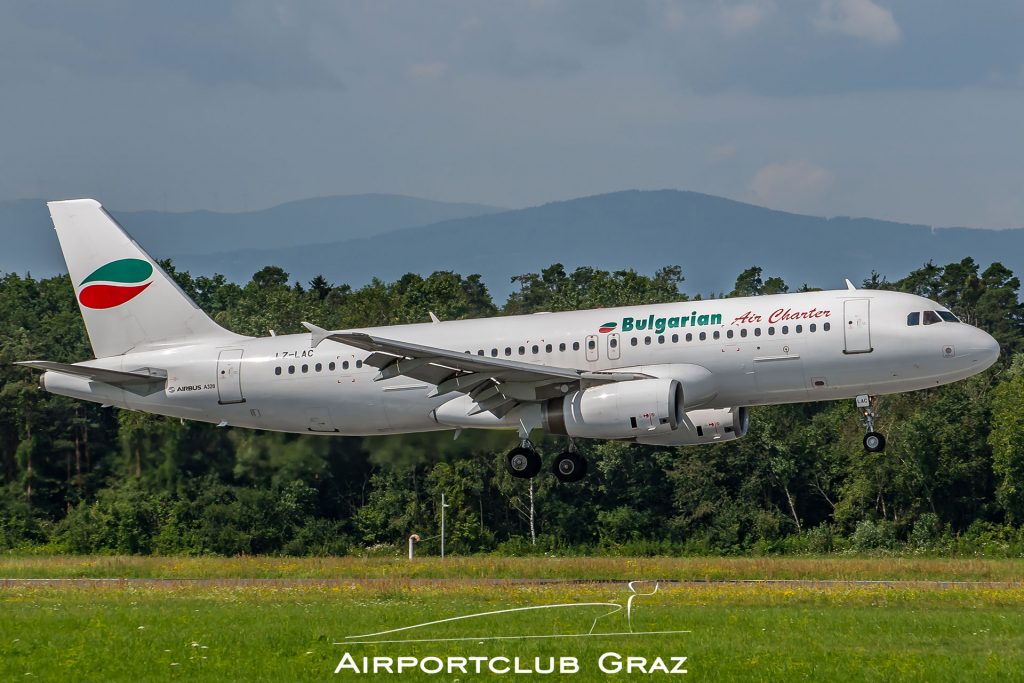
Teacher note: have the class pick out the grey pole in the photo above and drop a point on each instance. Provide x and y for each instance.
(443, 506)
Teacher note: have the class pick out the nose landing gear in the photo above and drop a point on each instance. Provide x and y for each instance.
(874, 442)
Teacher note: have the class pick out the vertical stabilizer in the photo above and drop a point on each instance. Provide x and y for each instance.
(127, 300)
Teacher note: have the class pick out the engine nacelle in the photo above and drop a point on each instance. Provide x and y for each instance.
(709, 426)
(620, 410)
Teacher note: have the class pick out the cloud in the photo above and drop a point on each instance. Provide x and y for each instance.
(859, 19)
(429, 71)
(791, 184)
(737, 19)
(722, 152)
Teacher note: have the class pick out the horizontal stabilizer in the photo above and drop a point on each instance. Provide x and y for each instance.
(143, 381)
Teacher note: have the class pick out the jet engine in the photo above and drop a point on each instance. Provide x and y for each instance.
(618, 410)
(708, 426)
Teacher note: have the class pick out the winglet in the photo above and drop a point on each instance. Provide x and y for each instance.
(849, 285)
(434, 318)
(316, 334)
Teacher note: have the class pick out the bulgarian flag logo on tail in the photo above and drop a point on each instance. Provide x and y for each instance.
(116, 283)
(607, 327)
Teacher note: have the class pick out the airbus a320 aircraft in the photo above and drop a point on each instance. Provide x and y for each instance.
(666, 374)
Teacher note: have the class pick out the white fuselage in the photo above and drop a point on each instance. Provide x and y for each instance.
(731, 352)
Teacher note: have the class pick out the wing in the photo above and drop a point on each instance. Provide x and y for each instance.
(143, 381)
(497, 385)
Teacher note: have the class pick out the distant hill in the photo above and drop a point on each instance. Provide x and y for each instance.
(353, 239)
(712, 238)
(31, 246)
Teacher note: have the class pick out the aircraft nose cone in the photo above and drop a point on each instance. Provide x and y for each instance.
(984, 348)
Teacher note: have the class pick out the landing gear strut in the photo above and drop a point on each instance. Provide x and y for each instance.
(569, 466)
(523, 462)
(874, 442)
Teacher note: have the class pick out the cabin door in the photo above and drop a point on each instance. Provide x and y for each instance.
(857, 325)
(229, 376)
(613, 346)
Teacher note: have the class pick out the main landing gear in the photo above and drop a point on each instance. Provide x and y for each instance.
(874, 442)
(523, 462)
(569, 466)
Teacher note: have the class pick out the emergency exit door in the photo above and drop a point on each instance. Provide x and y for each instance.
(857, 325)
(229, 376)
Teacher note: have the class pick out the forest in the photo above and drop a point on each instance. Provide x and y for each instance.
(79, 478)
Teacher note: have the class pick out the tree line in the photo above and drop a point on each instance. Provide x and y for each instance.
(76, 477)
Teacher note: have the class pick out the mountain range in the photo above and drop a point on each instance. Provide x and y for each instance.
(352, 239)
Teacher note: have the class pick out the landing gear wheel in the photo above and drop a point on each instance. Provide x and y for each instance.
(523, 462)
(569, 467)
(874, 442)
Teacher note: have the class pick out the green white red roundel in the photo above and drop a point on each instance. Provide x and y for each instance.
(607, 327)
(115, 283)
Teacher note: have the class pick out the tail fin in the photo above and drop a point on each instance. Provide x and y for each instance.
(127, 300)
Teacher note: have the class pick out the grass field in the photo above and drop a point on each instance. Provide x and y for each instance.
(283, 631)
(486, 567)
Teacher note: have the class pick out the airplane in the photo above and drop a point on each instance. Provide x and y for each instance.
(669, 374)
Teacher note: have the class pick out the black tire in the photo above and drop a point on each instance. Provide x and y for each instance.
(874, 442)
(522, 462)
(569, 467)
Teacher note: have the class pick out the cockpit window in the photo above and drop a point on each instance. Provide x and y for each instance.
(948, 317)
(914, 318)
(931, 317)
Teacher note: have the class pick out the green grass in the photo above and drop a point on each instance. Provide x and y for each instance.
(283, 633)
(854, 568)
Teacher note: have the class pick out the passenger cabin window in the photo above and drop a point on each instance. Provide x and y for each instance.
(689, 336)
(799, 329)
(561, 347)
(743, 332)
(547, 348)
(331, 366)
(277, 370)
(931, 317)
(575, 346)
(728, 333)
(359, 363)
(344, 365)
(633, 341)
(494, 353)
(508, 350)
(535, 349)
(319, 367)
(522, 350)
(675, 338)
(827, 326)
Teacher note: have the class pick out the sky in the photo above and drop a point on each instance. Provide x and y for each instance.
(908, 110)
